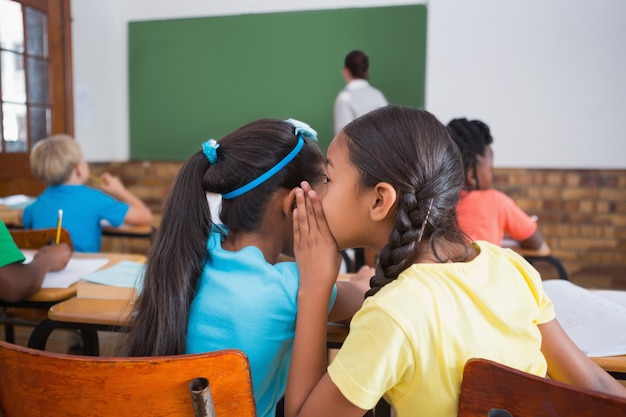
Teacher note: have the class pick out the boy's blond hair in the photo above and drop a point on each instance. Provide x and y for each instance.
(52, 159)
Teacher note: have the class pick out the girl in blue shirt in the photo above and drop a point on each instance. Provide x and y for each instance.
(213, 283)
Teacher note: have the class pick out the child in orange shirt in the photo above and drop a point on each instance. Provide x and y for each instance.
(484, 213)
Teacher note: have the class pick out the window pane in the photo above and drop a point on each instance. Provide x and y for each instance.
(11, 26)
(12, 72)
(39, 122)
(37, 29)
(37, 81)
(15, 127)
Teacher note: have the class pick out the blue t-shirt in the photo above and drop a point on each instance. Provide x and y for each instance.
(83, 210)
(245, 303)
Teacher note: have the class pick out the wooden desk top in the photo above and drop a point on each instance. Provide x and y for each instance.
(58, 294)
(129, 230)
(92, 311)
(612, 363)
(544, 250)
(9, 217)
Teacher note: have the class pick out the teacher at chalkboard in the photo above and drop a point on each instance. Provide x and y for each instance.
(358, 96)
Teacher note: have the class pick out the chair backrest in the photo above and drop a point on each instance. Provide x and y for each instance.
(490, 389)
(38, 238)
(41, 383)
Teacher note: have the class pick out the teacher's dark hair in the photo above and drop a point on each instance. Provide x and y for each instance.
(358, 64)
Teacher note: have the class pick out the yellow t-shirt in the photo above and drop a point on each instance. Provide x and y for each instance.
(409, 342)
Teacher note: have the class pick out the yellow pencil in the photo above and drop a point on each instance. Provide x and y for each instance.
(59, 222)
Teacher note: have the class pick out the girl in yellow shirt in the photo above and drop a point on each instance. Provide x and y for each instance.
(394, 177)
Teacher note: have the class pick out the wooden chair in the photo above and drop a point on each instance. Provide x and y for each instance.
(490, 389)
(37, 238)
(29, 239)
(39, 383)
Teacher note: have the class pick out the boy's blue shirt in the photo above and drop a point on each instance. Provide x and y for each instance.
(83, 210)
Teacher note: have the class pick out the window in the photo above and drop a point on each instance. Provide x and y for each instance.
(35, 84)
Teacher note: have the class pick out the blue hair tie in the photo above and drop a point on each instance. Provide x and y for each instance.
(209, 148)
(302, 130)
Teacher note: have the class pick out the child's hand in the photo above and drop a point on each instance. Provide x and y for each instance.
(363, 276)
(112, 185)
(315, 248)
(56, 255)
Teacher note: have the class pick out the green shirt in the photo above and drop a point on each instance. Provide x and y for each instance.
(9, 252)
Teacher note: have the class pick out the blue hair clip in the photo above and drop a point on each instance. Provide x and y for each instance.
(209, 148)
(302, 131)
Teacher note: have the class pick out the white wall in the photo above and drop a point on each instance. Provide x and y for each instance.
(546, 75)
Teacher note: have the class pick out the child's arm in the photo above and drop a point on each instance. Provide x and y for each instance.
(351, 294)
(19, 281)
(535, 242)
(309, 389)
(567, 363)
(137, 213)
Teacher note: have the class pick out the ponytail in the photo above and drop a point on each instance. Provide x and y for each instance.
(174, 265)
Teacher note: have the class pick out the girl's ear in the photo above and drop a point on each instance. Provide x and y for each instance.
(384, 200)
(289, 203)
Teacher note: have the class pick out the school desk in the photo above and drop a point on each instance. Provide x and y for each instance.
(92, 315)
(534, 256)
(11, 218)
(45, 298)
(125, 230)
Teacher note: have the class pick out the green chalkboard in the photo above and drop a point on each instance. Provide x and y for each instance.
(193, 79)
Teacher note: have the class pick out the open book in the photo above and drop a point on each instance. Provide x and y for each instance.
(123, 281)
(594, 320)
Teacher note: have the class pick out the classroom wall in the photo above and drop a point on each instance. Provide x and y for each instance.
(546, 75)
(582, 215)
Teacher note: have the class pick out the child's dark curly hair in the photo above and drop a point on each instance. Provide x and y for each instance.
(472, 137)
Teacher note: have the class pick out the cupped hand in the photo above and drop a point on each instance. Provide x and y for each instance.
(315, 248)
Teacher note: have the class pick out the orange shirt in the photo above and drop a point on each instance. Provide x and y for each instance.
(489, 214)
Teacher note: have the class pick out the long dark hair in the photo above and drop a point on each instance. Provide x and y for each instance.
(179, 250)
(411, 150)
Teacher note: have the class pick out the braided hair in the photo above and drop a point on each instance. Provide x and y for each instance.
(412, 151)
(472, 137)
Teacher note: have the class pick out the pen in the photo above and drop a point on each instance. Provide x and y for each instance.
(59, 222)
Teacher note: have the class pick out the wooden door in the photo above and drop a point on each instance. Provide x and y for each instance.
(35, 87)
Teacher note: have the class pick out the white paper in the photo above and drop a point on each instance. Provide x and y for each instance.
(593, 321)
(74, 271)
(16, 201)
(616, 296)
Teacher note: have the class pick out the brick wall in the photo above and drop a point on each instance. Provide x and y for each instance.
(582, 216)
(582, 213)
